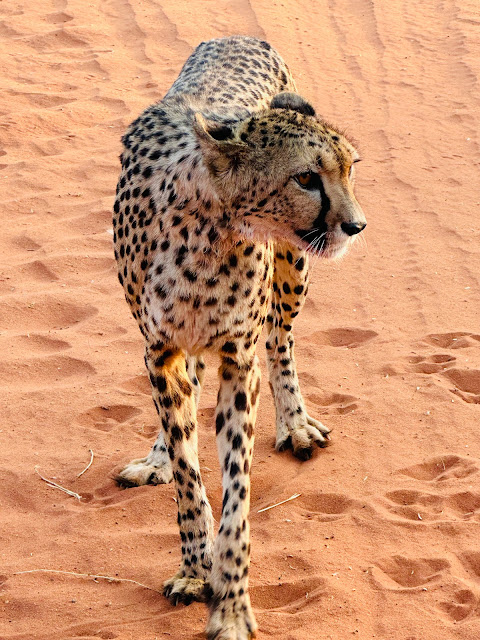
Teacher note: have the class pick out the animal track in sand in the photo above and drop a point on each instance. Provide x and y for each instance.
(441, 468)
(16, 496)
(467, 384)
(457, 602)
(37, 343)
(431, 364)
(42, 312)
(115, 105)
(138, 384)
(287, 596)
(471, 562)
(105, 418)
(78, 267)
(399, 573)
(456, 340)
(57, 40)
(334, 403)
(37, 271)
(349, 337)
(26, 243)
(28, 100)
(466, 381)
(414, 505)
(421, 508)
(108, 494)
(451, 596)
(42, 147)
(324, 507)
(58, 18)
(288, 560)
(41, 372)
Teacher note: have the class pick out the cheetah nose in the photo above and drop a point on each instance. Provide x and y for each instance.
(352, 228)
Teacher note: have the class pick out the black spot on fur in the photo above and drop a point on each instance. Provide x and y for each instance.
(240, 401)
(229, 347)
(219, 422)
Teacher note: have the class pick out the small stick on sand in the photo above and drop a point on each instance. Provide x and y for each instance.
(295, 495)
(88, 465)
(88, 575)
(54, 485)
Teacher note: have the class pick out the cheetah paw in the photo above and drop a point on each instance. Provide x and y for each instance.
(184, 589)
(302, 437)
(231, 619)
(139, 472)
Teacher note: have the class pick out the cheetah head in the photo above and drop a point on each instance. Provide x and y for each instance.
(284, 173)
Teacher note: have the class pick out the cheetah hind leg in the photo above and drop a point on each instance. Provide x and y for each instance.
(156, 468)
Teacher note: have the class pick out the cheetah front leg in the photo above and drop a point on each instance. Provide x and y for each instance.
(296, 430)
(156, 468)
(231, 616)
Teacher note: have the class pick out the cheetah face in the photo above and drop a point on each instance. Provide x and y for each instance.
(329, 185)
(286, 174)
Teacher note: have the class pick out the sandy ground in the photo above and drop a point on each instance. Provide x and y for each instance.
(384, 540)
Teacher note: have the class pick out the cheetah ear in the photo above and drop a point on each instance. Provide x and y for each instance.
(287, 100)
(221, 146)
(208, 129)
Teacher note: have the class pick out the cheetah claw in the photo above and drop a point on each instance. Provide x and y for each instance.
(301, 439)
(139, 472)
(184, 590)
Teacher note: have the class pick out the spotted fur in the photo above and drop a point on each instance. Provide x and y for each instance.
(226, 184)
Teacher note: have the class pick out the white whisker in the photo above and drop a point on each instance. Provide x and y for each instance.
(310, 232)
(316, 245)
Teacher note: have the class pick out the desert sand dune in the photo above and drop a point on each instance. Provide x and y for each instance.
(383, 541)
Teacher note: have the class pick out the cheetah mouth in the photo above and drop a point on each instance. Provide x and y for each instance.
(322, 243)
(315, 241)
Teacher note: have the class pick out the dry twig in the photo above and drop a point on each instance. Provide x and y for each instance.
(88, 465)
(54, 485)
(295, 495)
(88, 575)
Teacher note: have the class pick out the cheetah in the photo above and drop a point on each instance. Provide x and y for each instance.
(226, 186)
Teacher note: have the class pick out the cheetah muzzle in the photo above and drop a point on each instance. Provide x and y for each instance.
(227, 185)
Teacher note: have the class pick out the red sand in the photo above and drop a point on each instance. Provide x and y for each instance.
(384, 540)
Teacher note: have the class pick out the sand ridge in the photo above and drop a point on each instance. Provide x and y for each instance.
(383, 541)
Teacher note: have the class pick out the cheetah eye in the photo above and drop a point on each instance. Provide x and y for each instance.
(308, 180)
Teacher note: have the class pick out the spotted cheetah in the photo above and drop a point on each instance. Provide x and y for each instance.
(227, 185)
